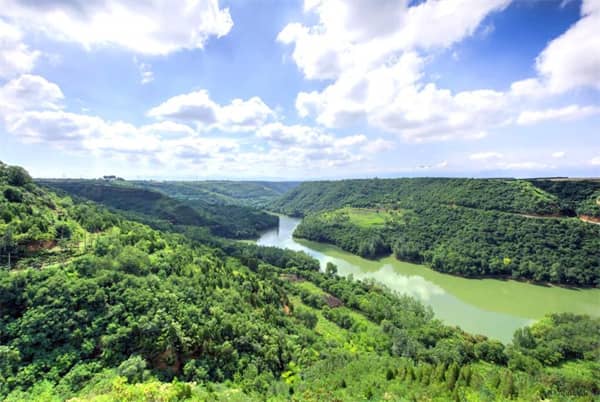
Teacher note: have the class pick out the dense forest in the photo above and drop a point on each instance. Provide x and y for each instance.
(473, 228)
(247, 193)
(508, 195)
(95, 305)
(227, 220)
(577, 196)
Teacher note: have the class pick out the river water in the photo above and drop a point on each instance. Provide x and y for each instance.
(491, 307)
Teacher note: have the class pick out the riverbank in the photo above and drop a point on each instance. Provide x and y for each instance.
(488, 306)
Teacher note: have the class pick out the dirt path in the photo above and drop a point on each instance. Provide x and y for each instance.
(590, 219)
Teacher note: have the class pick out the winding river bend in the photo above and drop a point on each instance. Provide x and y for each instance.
(491, 307)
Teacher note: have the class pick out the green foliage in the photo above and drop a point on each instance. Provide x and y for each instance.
(506, 195)
(17, 176)
(162, 212)
(100, 307)
(476, 233)
(559, 338)
(215, 192)
(13, 194)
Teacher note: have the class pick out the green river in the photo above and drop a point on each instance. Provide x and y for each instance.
(492, 307)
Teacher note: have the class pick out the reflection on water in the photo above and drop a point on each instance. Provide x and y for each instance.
(490, 307)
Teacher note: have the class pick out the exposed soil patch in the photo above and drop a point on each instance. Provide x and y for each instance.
(332, 301)
(292, 278)
(36, 246)
(590, 219)
(167, 360)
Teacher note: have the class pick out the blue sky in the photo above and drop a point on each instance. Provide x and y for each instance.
(300, 90)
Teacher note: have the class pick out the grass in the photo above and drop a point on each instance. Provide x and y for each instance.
(327, 329)
(309, 287)
(365, 217)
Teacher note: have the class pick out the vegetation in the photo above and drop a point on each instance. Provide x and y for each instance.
(107, 308)
(508, 195)
(576, 196)
(473, 236)
(590, 207)
(247, 193)
(158, 209)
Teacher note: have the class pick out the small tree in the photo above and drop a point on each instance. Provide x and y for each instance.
(17, 176)
(7, 244)
(331, 269)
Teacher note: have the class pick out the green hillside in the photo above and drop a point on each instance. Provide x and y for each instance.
(506, 195)
(233, 221)
(107, 309)
(577, 196)
(248, 193)
(473, 228)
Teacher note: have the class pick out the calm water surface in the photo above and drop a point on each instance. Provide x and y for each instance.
(491, 307)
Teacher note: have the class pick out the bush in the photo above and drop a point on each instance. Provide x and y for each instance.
(13, 194)
(17, 176)
(133, 369)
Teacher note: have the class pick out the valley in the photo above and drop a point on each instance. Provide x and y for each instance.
(110, 290)
(495, 308)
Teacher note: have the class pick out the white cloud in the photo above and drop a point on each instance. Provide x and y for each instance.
(29, 92)
(15, 56)
(379, 145)
(571, 112)
(433, 114)
(145, 69)
(155, 27)
(595, 161)
(372, 54)
(559, 154)
(244, 115)
(198, 108)
(573, 59)
(484, 156)
(168, 129)
(39, 116)
(351, 33)
(570, 61)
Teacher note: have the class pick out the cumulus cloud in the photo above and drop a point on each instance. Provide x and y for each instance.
(198, 108)
(15, 56)
(375, 58)
(570, 61)
(155, 27)
(373, 55)
(29, 92)
(571, 112)
(559, 154)
(354, 32)
(573, 59)
(38, 115)
(35, 113)
(595, 161)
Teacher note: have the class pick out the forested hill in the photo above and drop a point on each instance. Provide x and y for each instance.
(517, 196)
(578, 196)
(248, 193)
(97, 307)
(467, 227)
(158, 209)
